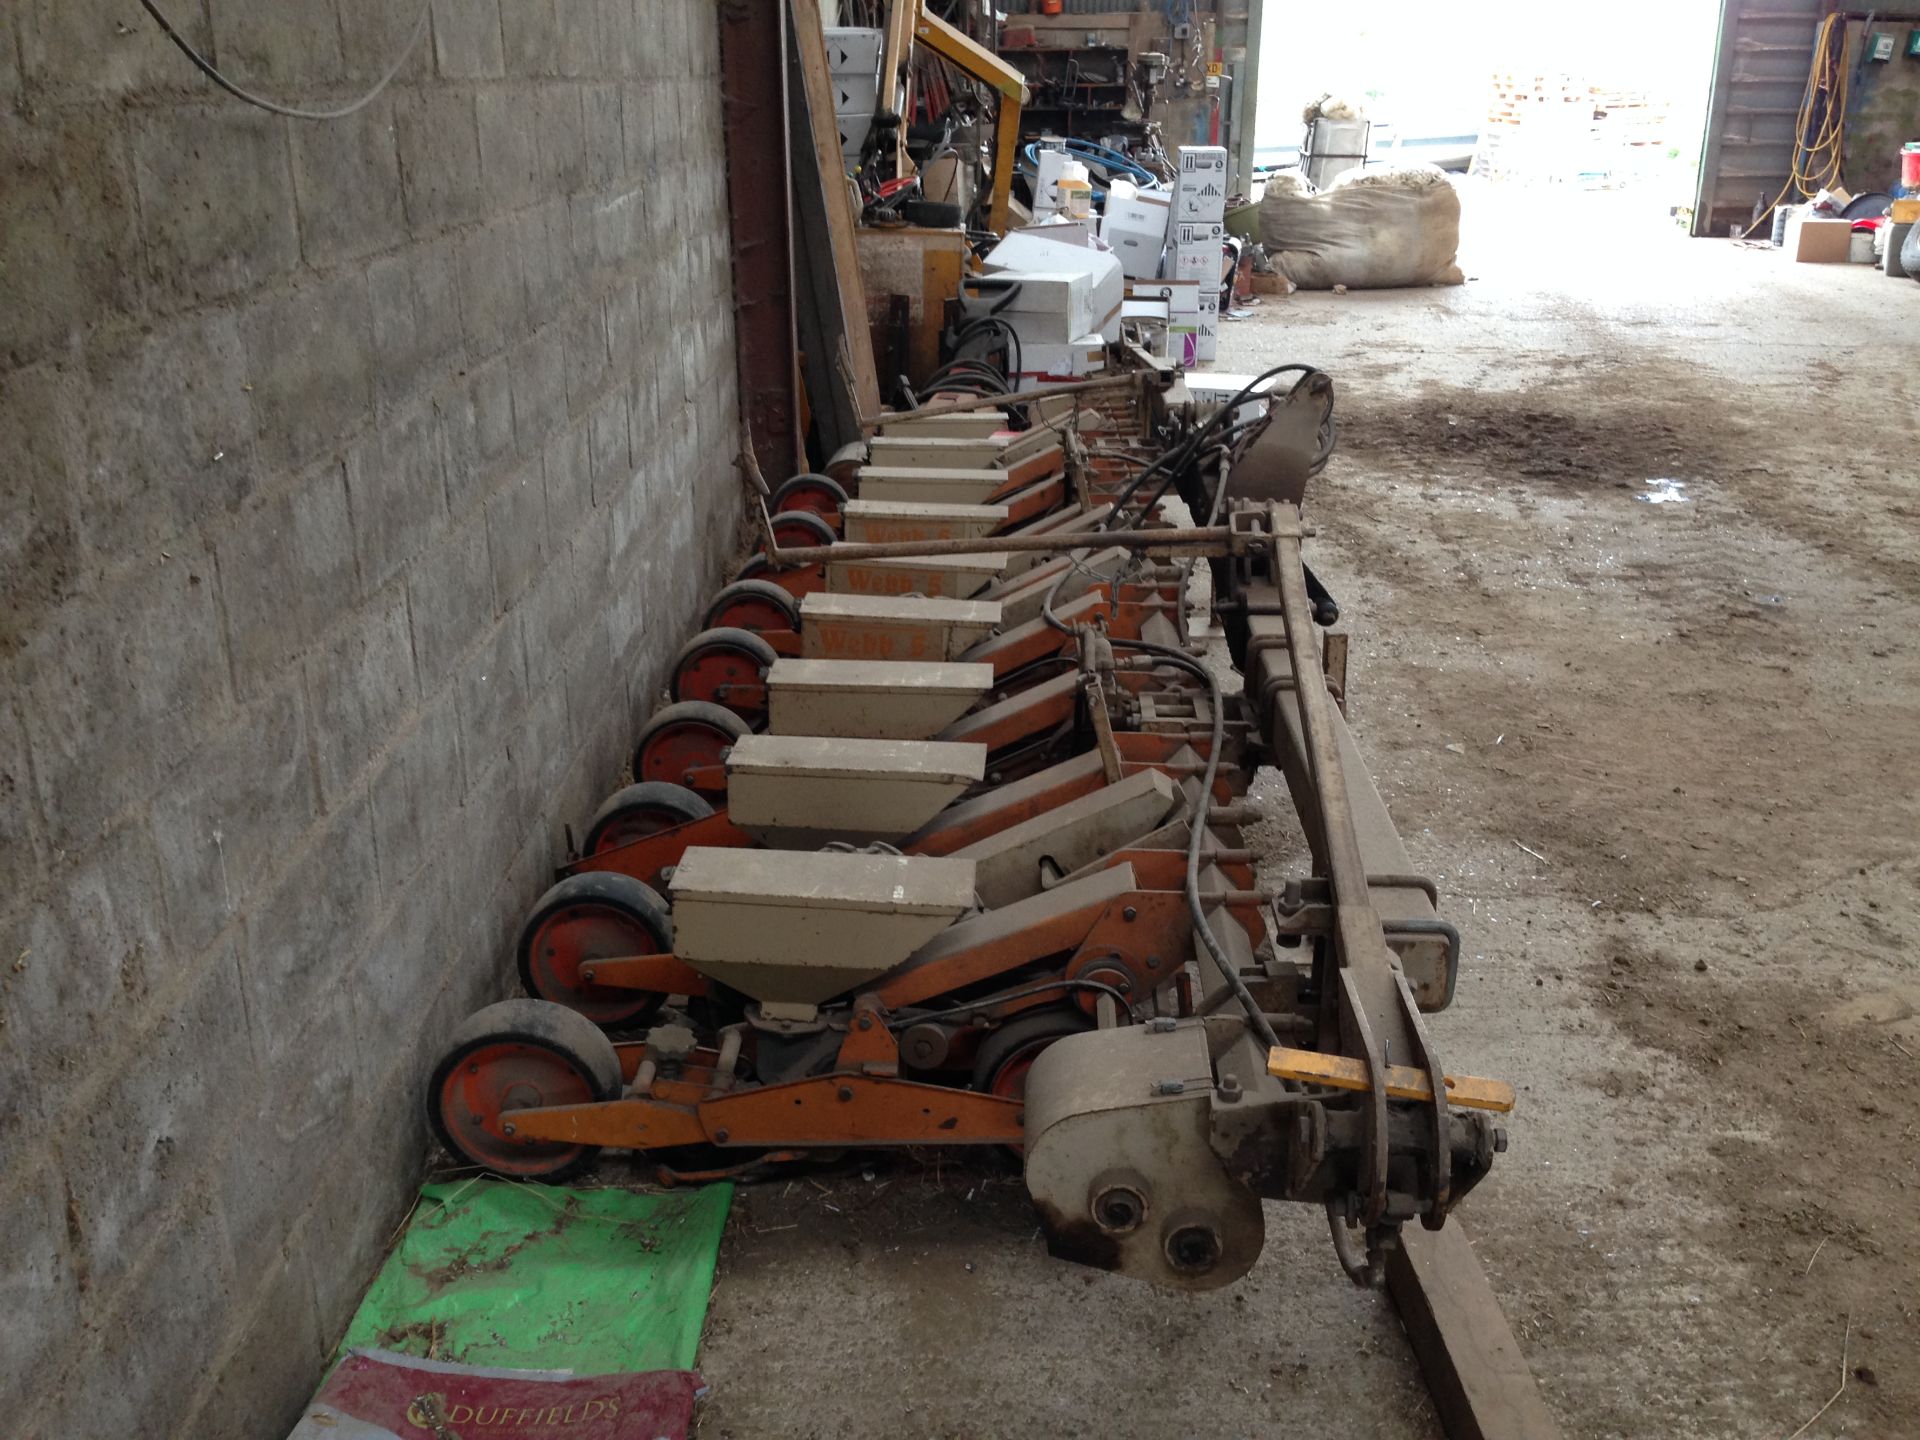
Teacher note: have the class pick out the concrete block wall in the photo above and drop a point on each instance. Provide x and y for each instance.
(358, 479)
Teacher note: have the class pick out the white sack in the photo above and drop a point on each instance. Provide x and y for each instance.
(1377, 229)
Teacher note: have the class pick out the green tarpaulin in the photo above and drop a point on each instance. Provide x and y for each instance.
(536, 1277)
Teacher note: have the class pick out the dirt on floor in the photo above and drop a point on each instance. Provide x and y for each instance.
(1629, 548)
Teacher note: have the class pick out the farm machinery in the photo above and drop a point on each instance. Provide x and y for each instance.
(942, 841)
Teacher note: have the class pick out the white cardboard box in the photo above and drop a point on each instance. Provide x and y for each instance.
(1199, 232)
(853, 50)
(1203, 160)
(1061, 230)
(1200, 189)
(1200, 263)
(1050, 307)
(1207, 336)
(1182, 297)
(1044, 364)
(1031, 250)
(1135, 227)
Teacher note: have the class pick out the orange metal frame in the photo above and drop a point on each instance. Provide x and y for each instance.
(1140, 939)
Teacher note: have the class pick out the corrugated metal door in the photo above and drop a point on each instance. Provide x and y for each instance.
(1766, 49)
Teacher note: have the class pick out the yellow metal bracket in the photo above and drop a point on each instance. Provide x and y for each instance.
(988, 68)
(1404, 1082)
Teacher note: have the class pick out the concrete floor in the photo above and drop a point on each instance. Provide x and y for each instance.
(1701, 720)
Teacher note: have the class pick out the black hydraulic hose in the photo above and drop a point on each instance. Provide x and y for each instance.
(1320, 458)
(1256, 1019)
(1184, 453)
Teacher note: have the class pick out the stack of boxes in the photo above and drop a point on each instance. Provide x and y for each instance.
(1066, 307)
(1169, 243)
(853, 60)
(1199, 232)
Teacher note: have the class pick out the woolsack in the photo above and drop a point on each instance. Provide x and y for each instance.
(1377, 229)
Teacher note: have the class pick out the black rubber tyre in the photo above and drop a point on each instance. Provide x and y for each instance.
(637, 811)
(594, 916)
(802, 527)
(817, 494)
(653, 759)
(757, 605)
(515, 1055)
(716, 658)
(931, 214)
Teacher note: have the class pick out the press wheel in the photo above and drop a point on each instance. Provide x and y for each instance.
(757, 605)
(801, 527)
(683, 738)
(595, 916)
(519, 1055)
(717, 666)
(638, 811)
(820, 494)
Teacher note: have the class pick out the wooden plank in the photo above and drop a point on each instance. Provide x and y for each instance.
(855, 345)
(1479, 1381)
(896, 75)
(1404, 1082)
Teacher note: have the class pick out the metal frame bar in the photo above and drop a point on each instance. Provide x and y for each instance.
(1466, 1350)
(981, 63)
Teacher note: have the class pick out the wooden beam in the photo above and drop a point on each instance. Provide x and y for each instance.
(896, 75)
(831, 204)
(1479, 1381)
(1007, 82)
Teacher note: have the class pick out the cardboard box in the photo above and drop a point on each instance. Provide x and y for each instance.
(1207, 335)
(853, 134)
(1135, 228)
(1906, 212)
(1046, 364)
(1198, 232)
(1198, 263)
(1062, 231)
(1200, 189)
(1050, 308)
(1818, 240)
(854, 50)
(1031, 250)
(1203, 160)
(1182, 297)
